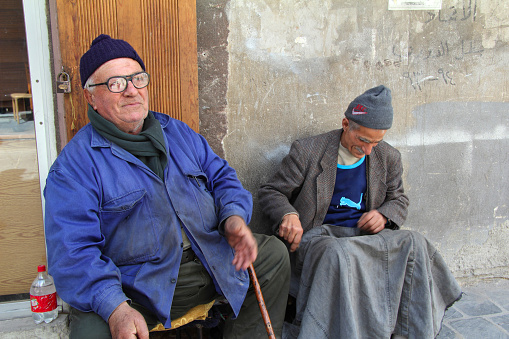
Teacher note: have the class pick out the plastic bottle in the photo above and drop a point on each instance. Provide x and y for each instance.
(43, 297)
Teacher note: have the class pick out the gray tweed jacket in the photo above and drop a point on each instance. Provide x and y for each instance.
(305, 181)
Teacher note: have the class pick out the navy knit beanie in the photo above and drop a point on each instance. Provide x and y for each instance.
(372, 109)
(104, 49)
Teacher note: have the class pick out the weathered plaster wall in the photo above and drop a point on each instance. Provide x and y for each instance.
(293, 67)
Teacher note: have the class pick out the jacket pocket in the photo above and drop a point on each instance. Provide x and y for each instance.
(128, 228)
(204, 199)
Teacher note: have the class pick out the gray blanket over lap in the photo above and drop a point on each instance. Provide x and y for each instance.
(370, 286)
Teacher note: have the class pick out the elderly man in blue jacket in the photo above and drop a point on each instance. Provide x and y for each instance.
(144, 221)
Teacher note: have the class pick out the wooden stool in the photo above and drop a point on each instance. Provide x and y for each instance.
(15, 97)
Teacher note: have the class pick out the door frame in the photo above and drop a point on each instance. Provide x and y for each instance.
(37, 37)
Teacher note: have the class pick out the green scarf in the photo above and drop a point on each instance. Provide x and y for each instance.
(148, 146)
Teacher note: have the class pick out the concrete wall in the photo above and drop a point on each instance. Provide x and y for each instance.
(274, 71)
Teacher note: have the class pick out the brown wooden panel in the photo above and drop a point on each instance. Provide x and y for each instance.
(162, 31)
(188, 56)
(129, 14)
(21, 227)
(160, 51)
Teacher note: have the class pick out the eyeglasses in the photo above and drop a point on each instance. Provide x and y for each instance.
(118, 84)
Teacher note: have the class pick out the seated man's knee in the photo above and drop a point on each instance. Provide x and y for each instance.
(87, 325)
(271, 248)
(273, 258)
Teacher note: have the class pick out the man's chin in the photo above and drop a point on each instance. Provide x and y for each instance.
(136, 115)
(358, 154)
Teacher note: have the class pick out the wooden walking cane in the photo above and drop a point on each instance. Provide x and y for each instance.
(261, 302)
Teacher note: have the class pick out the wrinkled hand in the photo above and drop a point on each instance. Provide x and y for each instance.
(372, 222)
(291, 230)
(241, 239)
(126, 322)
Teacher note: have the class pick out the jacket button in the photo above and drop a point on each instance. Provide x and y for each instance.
(181, 244)
(173, 280)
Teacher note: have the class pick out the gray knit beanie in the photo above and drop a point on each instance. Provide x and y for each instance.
(104, 49)
(372, 109)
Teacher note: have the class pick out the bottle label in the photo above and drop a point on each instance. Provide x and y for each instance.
(43, 303)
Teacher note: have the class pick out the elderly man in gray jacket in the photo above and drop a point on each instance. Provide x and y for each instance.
(338, 200)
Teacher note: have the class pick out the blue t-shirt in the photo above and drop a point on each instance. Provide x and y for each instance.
(348, 203)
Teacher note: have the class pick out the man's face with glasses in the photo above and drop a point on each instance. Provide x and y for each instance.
(118, 92)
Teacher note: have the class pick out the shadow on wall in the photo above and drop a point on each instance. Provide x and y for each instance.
(456, 163)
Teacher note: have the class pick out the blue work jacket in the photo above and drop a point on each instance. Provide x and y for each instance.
(113, 227)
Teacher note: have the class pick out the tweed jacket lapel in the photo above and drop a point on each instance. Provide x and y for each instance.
(326, 181)
(375, 172)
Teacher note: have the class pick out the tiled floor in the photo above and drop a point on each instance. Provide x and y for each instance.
(482, 313)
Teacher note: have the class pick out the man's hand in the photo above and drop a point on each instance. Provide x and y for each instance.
(241, 239)
(126, 322)
(291, 230)
(372, 222)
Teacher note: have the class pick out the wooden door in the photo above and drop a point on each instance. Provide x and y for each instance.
(163, 32)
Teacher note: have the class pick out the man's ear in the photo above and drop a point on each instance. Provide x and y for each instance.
(345, 123)
(89, 97)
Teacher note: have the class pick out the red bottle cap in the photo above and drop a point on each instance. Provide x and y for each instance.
(41, 268)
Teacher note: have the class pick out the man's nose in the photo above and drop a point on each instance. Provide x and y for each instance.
(130, 89)
(367, 149)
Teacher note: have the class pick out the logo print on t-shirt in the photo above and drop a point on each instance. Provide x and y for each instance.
(347, 202)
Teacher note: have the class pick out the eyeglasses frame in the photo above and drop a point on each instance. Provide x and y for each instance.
(127, 79)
